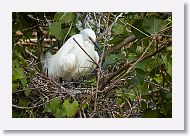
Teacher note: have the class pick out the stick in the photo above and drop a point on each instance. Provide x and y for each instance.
(132, 66)
(86, 53)
(99, 69)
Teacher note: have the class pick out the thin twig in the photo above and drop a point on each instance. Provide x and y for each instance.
(99, 69)
(131, 67)
(157, 85)
(126, 66)
(68, 32)
(164, 35)
(124, 43)
(135, 29)
(37, 19)
(29, 108)
(109, 28)
(30, 28)
(165, 27)
(86, 53)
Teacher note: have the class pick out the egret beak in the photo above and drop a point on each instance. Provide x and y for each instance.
(96, 46)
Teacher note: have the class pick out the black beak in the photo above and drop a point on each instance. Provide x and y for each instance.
(96, 46)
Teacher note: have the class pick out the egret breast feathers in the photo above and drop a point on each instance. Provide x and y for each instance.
(71, 62)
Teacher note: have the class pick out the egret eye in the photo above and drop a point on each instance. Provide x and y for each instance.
(96, 45)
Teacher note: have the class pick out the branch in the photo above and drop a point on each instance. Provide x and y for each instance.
(125, 42)
(111, 76)
(30, 28)
(99, 68)
(109, 28)
(86, 53)
(156, 52)
(131, 66)
(68, 32)
(29, 108)
(127, 24)
(157, 85)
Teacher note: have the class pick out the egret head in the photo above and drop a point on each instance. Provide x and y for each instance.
(88, 34)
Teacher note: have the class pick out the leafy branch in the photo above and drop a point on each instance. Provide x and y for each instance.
(130, 65)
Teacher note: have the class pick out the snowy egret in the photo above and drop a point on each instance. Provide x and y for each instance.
(76, 58)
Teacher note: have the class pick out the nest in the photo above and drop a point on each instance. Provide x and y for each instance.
(43, 90)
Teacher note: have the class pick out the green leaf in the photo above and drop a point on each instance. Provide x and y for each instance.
(59, 113)
(21, 59)
(14, 114)
(152, 63)
(140, 72)
(18, 78)
(158, 78)
(138, 25)
(23, 82)
(58, 15)
(15, 85)
(67, 17)
(70, 108)
(162, 109)
(92, 82)
(164, 58)
(72, 32)
(55, 107)
(168, 65)
(168, 96)
(84, 105)
(143, 105)
(149, 113)
(118, 29)
(152, 24)
(23, 102)
(56, 30)
(168, 106)
(22, 115)
(17, 73)
(55, 103)
(134, 81)
(119, 101)
(116, 39)
(132, 97)
(111, 59)
(26, 91)
(169, 68)
(47, 109)
(131, 57)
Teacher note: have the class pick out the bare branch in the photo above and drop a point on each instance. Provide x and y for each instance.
(99, 69)
(86, 53)
(132, 66)
(124, 43)
(68, 32)
(157, 85)
(126, 66)
(127, 24)
(109, 28)
(29, 108)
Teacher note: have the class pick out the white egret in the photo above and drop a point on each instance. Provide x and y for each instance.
(77, 57)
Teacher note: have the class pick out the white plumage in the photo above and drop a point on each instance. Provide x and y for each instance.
(71, 62)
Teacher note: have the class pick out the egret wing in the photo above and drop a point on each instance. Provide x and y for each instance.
(70, 46)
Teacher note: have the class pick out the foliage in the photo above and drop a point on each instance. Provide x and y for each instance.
(136, 72)
(59, 109)
(59, 28)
